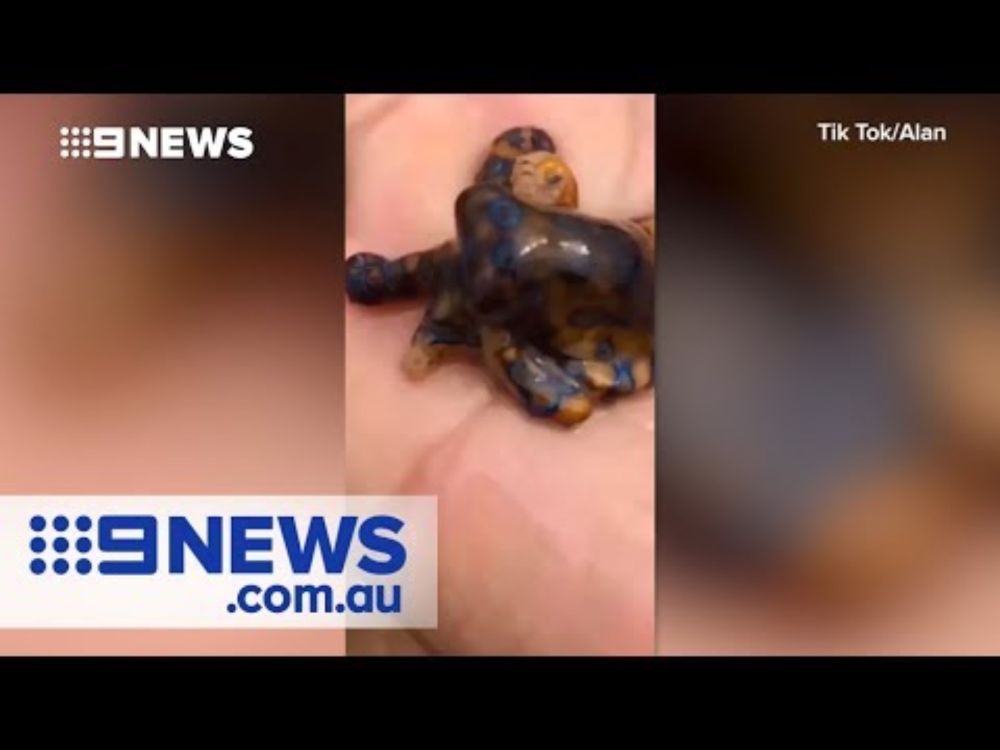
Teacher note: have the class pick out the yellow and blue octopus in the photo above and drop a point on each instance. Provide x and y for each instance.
(559, 304)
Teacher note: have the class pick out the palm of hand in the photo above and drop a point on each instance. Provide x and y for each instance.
(545, 536)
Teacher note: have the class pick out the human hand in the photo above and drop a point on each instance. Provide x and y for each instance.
(546, 539)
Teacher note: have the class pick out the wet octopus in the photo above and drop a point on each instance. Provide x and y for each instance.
(559, 304)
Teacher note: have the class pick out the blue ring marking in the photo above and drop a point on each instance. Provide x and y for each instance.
(540, 141)
(498, 168)
(438, 333)
(623, 376)
(542, 381)
(504, 213)
(503, 256)
(518, 372)
(514, 137)
(358, 287)
(544, 411)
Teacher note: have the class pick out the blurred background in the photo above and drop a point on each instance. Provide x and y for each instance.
(828, 377)
(172, 326)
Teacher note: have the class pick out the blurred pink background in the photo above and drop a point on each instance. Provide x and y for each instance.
(896, 446)
(155, 340)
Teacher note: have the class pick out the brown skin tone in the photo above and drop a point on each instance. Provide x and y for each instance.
(546, 538)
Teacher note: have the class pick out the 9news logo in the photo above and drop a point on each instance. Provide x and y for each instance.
(169, 142)
(239, 546)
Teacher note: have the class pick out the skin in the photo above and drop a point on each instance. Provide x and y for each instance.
(98, 419)
(910, 227)
(563, 523)
(126, 367)
(559, 525)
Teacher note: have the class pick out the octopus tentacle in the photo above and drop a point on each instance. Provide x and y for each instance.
(444, 328)
(554, 301)
(538, 380)
(373, 279)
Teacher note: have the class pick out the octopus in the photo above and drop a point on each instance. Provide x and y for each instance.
(558, 304)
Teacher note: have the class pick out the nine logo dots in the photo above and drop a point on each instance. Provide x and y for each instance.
(75, 142)
(60, 545)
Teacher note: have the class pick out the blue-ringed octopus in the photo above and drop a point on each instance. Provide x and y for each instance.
(559, 304)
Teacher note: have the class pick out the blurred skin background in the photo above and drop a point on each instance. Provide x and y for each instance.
(545, 534)
(828, 378)
(172, 327)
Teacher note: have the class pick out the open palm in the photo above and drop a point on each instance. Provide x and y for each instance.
(546, 534)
